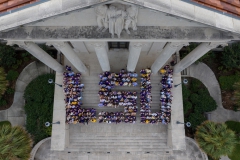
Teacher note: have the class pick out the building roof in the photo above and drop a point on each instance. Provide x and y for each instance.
(7, 5)
(227, 6)
(175, 8)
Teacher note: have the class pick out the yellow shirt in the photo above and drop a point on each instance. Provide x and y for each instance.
(93, 120)
(162, 71)
(134, 79)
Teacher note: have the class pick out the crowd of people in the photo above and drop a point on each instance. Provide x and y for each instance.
(116, 98)
(166, 95)
(146, 98)
(109, 98)
(117, 117)
(109, 80)
(73, 89)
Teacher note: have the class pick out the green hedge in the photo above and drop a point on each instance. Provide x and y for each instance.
(230, 57)
(235, 126)
(39, 95)
(196, 101)
(227, 82)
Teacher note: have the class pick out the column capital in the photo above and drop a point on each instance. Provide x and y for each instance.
(58, 44)
(137, 44)
(212, 45)
(178, 44)
(22, 44)
(99, 44)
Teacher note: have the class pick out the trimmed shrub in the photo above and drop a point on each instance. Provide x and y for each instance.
(187, 106)
(233, 125)
(231, 57)
(7, 56)
(10, 91)
(3, 81)
(194, 98)
(186, 93)
(196, 119)
(197, 98)
(3, 102)
(39, 95)
(12, 75)
(227, 82)
(195, 84)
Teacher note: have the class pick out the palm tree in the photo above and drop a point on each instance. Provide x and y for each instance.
(15, 143)
(215, 139)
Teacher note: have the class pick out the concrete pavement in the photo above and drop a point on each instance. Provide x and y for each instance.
(16, 114)
(203, 73)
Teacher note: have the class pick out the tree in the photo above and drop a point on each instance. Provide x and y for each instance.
(15, 143)
(231, 57)
(215, 139)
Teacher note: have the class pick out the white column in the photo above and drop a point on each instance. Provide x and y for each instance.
(69, 53)
(102, 54)
(134, 53)
(166, 53)
(198, 52)
(40, 54)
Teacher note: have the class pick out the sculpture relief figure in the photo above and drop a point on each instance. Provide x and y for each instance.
(111, 19)
(101, 12)
(131, 17)
(119, 24)
(115, 18)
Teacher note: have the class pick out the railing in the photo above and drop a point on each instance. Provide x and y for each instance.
(204, 156)
(35, 148)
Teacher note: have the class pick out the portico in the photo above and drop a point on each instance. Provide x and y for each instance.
(82, 33)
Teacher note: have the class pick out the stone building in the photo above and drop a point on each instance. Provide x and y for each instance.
(107, 35)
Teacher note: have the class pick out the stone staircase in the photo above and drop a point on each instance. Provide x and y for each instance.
(121, 138)
(91, 99)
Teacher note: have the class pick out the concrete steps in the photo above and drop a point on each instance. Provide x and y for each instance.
(120, 138)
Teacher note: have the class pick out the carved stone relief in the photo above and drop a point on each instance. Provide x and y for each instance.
(116, 18)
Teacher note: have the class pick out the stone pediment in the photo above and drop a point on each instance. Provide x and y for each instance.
(115, 18)
(177, 12)
(88, 17)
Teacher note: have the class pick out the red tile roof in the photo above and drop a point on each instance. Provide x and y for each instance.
(228, 6)
(7, 5)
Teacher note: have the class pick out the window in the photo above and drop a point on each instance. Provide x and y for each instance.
(118, 45)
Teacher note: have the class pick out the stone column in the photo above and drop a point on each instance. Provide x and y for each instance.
(134, 53)
(69, 53)
(40, 54)
(102, 54)
(198, 52)
(166, 53)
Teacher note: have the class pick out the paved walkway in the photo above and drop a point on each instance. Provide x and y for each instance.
(203, 73)
(16, 114)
